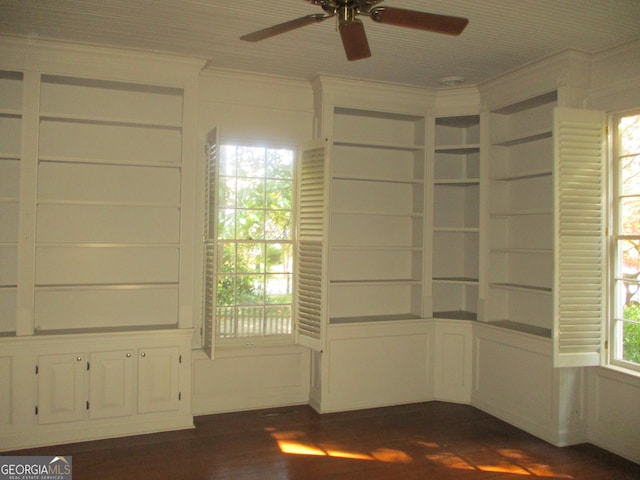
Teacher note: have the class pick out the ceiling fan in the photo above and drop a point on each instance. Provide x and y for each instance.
(351, 28)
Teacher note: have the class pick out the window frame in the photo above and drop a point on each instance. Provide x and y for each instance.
(260, 340)
(613, 340)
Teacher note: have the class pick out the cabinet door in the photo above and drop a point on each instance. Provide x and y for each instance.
(158, 379)
(61, 388)
(111, 384)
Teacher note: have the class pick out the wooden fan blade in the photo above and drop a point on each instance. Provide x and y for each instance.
(284, 27)
(430, 22)
(354, 40)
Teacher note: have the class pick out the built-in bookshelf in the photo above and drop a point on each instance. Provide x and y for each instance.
(376, 200)
(521, 203)
(456, 217)
(108, 205)
(10, 155)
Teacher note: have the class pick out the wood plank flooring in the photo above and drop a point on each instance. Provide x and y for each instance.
(434, 440)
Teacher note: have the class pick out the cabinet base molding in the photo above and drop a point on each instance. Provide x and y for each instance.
(81, 432)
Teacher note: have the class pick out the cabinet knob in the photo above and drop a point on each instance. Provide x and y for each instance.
(128, 355)
(143, 354)
(78, 358)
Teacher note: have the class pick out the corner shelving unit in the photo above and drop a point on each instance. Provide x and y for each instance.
(456, 217)
(10, 148)
(376, 216)
(521, 259)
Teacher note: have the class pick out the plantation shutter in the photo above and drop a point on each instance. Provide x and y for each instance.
(209, 244)
(580, 200)
(312, 257)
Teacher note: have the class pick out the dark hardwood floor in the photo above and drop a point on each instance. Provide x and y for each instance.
(433, 440)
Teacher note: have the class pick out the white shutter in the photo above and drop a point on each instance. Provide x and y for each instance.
(209, 245)
(579, 283)
(312, 257)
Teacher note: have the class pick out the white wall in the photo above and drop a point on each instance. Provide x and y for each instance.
(614, 397)
(255, 109)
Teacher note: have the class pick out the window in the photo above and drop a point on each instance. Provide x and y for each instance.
(254, 242)
(625, 324)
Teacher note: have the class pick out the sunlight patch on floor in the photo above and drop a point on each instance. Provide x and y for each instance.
(511, 461)
(297, 443)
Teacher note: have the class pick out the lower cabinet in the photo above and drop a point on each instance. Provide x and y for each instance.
(91, 386)
(61, 388)
(107, 384)
(158, 379)
(111, 383)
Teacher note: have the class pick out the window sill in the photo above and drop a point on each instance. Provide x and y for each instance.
(248, 347)
(618, 370)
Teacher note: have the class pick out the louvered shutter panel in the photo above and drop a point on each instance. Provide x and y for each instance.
(209, 245)
(311, 291)
(579, 283)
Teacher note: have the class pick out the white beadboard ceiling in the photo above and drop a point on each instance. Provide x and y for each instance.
(501, 36)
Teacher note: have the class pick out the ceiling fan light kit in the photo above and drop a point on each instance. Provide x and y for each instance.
(352, 33)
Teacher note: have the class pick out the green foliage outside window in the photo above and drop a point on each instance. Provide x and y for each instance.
(627, 334)
(631, 335)
(255, 241)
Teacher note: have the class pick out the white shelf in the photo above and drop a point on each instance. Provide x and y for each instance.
(107, 286)
(373, 318)
(522, 328)
(525, 175)
(373, 248)
(377, 282)
(457, 182)
(456, 229)
(456, 280)
(523, 137)
(10, 112)
(96, 120)
(456, 315)
(523, 288)
(378, 145)
(360, 178)
(523, 251)
(104, 245)
(462, 149)
(377, 214)
(89, 203)
(521, 213)
(100, 161)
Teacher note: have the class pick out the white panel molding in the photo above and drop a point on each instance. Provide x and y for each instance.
(373, 377)
(613, 416)
(457, 101)
(221, 388)
(569, 69)
(373, 96)
(453, 350)
(98, 62)
(259, 91)
(519, 392)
